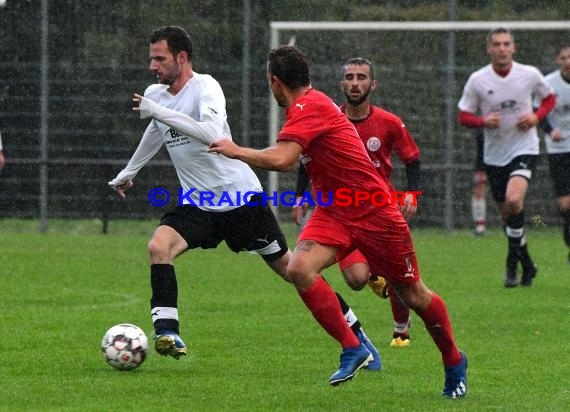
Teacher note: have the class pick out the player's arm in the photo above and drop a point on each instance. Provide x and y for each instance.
(205, 132)
(530, 120)
(410, 206)
(468, 119)
(149, 145)
(282, 157)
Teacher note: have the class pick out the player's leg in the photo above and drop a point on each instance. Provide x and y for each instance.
(317, 249)
(308, 259)
(498, 180)
(431, 308)
(479, 202)
(559, 164)
(163, 247)
(185, 227)
(355, 267)
(564, 208)
(395, 257)
(402, 321)
(517, 188)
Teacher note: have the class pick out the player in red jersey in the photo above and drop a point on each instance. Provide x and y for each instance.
(382, 133)
(318, 133)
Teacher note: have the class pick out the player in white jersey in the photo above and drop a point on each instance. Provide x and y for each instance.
(557, 128)
(188, 113)
(499, 97)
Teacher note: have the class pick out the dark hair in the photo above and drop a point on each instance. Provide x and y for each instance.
(176, 37)
(499, 30)
(562, 47)
(360, 61)
(290, 65)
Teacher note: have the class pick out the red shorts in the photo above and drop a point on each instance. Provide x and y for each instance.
(352, 259)
(383, 239)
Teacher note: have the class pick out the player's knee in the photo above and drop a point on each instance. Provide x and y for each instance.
(158, 251)
(356, 276)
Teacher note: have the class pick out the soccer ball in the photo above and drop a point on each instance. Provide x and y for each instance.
(125, 346)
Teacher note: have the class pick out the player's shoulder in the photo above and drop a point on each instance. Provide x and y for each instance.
(521, 67)
(552, 76)
(315, 100)
(380, 113)
(155, 89)
(482, 72)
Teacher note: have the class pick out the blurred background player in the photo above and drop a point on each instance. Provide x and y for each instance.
(502, 92)
(479, 196)
(382, 133)
(557, 128)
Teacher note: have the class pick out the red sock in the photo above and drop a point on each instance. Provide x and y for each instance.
(400, 311)
(321, 300)
(437, 323)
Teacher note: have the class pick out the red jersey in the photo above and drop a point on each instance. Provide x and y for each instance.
(381, 132)
(334, 155)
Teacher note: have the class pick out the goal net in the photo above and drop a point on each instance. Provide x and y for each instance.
(421, 68)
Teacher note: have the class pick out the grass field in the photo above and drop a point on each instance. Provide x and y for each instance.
(252, 344)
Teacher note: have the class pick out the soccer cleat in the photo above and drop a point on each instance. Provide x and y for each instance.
(528, 276)
(456, 379)
(379, 285)
(168, 343)
(351, 359)
(569, 258)
(511, 281)
(400, 340)
(376, 363)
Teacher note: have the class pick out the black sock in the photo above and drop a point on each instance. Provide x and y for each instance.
(517, 240)
(515, 233)
(349, 315)
(566, 230)
(164, 295)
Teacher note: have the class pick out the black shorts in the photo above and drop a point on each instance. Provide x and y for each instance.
(247, 228)
(559, 164)
(499, 176)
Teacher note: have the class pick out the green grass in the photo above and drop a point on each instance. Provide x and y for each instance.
(252, 344)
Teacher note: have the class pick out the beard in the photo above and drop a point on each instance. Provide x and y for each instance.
(358, 101)
(171, 76)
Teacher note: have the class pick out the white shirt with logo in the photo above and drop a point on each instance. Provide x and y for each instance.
(186, 123)
(559, 117)
(486, 92)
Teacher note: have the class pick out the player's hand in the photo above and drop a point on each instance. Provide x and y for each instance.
(299, 212)
(121, 187)
(143, 106)
(226, 147)
(556, 135)
(409, 209)
(528, 121)
(2, 160)
(493, 120)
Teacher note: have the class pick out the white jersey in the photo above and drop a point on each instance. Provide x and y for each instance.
(559, 117)
(186, 123)
(487, 92)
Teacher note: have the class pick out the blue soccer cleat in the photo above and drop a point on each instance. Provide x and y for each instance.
(376, 363)
(351, 359)
(168, 343)
(456, 379)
